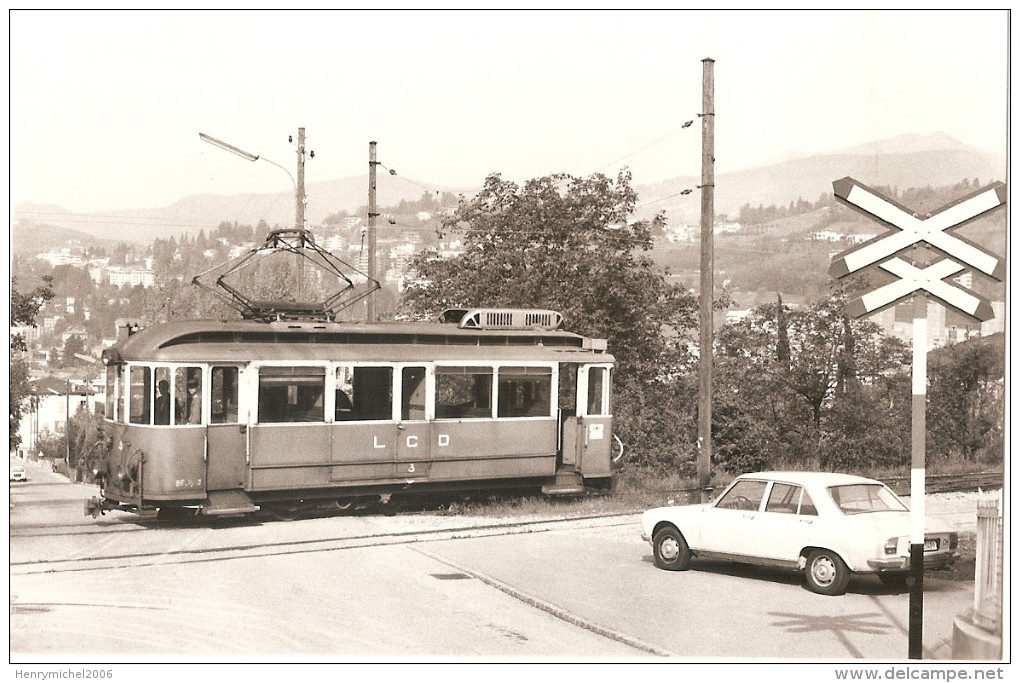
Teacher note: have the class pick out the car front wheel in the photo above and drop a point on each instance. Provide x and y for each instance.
(671, 550)
(826, 573)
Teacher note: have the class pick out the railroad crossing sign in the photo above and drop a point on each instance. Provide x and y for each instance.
(909, 230)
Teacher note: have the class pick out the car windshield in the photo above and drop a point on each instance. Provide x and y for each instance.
(853, 499)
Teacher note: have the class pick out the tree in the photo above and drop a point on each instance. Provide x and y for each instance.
(73, 347)
(24, 308)
(809, 388)
(559, 242)
(965, 409)
(569, 244)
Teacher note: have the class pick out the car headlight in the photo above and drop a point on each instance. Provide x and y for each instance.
(890, 546)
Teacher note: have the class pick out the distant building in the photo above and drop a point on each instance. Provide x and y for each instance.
(682, 233)
(733, 317)
(945, 326)
(63, 257)
(132, 277)
(334, 243)
(50, 403)
(30, 333)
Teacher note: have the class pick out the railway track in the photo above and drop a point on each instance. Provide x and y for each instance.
(949, 483)
(937, 483)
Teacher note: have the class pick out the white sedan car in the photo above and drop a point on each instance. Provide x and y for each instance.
(827, 525)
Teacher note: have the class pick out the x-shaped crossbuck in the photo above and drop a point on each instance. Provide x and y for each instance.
(912, 230)
(930, 279)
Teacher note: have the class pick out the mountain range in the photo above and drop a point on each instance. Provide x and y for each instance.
(901, 162)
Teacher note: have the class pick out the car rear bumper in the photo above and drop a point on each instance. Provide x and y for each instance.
(897, 564)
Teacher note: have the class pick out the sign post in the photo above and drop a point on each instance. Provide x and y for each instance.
(920, 281)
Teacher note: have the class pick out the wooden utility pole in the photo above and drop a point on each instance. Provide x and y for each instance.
(299, 215)
(707, 279)
(372, 215)
(299, 221)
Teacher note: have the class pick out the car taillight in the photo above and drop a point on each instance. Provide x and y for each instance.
(954, 540)
(890, 547)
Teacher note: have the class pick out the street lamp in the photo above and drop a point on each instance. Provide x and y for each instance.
(299, 189)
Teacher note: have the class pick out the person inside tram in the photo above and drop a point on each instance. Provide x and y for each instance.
(193, 405)
(163, 402)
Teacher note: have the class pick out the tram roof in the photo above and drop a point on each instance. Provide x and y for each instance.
(239, 341)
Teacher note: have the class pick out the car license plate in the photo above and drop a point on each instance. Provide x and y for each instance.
(931, 544)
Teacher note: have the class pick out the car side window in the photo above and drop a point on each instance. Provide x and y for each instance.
(744, 495)
(784, 498)
(807, 507)
(790, 499)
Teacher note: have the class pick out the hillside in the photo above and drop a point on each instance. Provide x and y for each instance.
(810, 177)
(32, 238)
(906, 161)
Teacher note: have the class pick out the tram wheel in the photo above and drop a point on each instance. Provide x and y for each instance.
(174, 513)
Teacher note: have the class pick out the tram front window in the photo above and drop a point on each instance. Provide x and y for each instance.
(163, 401)
(113, 374)
(141, 382)
(188, 390)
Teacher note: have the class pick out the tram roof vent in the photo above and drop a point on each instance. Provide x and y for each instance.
(503, 318)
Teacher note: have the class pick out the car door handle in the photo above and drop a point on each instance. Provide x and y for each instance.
(748, 516)
(806, 521)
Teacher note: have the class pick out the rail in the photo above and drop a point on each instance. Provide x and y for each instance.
(938, 483)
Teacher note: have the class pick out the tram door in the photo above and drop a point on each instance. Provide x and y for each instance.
(227, 441)
(413, 434)
(597, 421)
(586, 423)
(570, 422)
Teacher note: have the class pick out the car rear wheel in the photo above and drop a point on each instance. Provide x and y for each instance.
(826, 573)
(671, 550)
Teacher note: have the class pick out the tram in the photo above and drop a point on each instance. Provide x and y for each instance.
(227, 418)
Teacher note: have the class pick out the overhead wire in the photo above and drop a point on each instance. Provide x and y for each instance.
(684, 192)
(687, 124)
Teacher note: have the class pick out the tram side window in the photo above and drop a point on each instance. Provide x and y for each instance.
(412, 400)
(224, 395)
(598, 380)
(463, 392)
(524, 392)
(292, 394)
(188, 390)
(141, 390)
(364, 393)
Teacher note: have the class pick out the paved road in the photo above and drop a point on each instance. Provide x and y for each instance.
(417, 585)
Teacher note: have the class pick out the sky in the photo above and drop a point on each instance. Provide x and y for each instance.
(106, 107)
